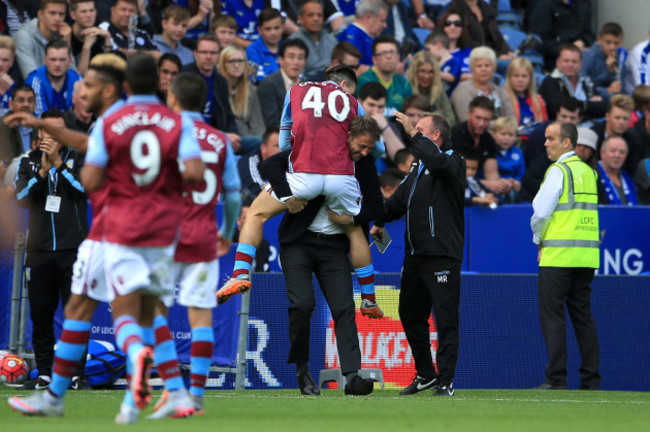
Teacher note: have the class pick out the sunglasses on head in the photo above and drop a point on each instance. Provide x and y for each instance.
(456, 23)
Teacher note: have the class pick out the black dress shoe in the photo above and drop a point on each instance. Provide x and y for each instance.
(547, 386)
(307, 384)
(359, 386)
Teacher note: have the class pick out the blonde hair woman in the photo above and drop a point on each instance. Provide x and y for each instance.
(233, 65)
(529, 107)
(483, 64)
(424, 76)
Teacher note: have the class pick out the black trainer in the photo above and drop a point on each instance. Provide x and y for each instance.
(307, 384)
(359, 386)
(419, 384)
(40, 383)
(444, 390)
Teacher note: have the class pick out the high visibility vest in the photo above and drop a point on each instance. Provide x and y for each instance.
(571, 238)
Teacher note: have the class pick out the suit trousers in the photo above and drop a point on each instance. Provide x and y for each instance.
(49, 275)
(326, 258)
(571, 286)
(431, 282)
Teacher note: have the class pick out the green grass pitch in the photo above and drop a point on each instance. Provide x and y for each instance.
(384, 410)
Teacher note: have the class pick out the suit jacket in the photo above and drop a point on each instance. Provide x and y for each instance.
(223, 117)
(11, 144)
(271, 92)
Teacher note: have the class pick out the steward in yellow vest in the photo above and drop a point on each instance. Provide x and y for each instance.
(565, 228)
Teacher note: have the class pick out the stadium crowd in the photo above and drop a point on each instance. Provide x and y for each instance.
(494, 101)
(429, 57)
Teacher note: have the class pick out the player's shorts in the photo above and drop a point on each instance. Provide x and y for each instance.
(342, 192)
(197, 284)
(146, 269)
(88, 276)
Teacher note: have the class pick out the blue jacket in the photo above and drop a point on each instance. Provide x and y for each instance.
(39, 81)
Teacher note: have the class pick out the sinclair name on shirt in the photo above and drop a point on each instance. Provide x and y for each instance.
(140, 118)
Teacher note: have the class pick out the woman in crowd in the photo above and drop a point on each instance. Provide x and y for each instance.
(482, 26)
(482, 63)
(233, 65)
(454, 26)
(424, 76)
(529, 107)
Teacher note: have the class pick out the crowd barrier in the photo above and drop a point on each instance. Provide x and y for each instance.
(501, 345)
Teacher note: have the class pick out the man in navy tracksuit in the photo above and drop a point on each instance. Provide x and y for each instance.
(47, 183)
(431, 198)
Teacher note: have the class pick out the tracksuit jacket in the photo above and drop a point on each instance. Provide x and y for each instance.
(49, 231)
(432, 199)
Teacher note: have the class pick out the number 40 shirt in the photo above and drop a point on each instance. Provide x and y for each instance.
(139, 146)
(319, 115)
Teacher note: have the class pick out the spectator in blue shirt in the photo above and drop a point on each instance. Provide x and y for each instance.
(263, 53)
(246, 15)
(53, 83)
(510, 158)
(369, 23)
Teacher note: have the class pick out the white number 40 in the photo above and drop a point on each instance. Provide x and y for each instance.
(314, 100)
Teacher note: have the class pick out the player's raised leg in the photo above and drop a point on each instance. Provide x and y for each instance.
(263, 208)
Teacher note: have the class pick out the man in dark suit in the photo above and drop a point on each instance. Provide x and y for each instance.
(292, 58)
(217, 110)
(309, 244)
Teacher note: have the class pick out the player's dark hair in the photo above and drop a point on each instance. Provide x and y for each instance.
(365, 125)
(52, 113)
(482, 102)
(340, 72)
(268, 132)
(142, 73)
(190, 90)
(342, 48)
(296, 43)
(374, 91)
(22, 88)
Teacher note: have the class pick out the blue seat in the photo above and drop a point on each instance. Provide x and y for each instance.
(538, 77)
(509, 19)
(421, 34)
(514, 38)
(535, 58)
(504, 5)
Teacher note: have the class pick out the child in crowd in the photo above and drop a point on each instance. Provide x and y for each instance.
(403, 160)
(476, 193)
(604, 61)
(437, 43)
(175, 23)
(246, 16)
(510, 158)
(225, 28)
(263, 53)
